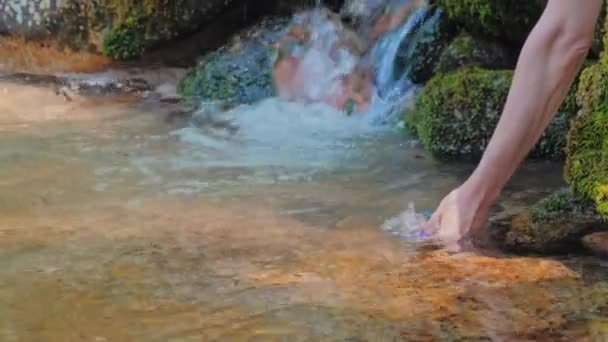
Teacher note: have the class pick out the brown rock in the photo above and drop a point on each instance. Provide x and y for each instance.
(597, 243)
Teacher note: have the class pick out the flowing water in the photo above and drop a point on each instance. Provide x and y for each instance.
(122, 221)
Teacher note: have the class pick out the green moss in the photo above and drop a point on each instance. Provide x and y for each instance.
(508, 20)
(559, 205)
(467, 51)
(126, 41)
(457, 112)
(594, 300)
(237, 77)
(586, 168)
(555, 224)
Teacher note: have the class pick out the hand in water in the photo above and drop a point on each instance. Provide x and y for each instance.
(455, 217)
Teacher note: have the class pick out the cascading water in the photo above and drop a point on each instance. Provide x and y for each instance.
(304, 131)
(330, 64)
(392, 91)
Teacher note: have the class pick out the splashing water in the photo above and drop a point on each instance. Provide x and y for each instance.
(392, 92)
(326, 62)
(408, 225)
(305, 130)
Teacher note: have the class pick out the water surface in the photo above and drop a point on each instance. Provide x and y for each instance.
(122, 222)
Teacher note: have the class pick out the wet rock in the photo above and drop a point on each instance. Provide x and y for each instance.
(420, 53)
(467, 51)
(234, 77)
(504, 20)
(457, 112)
(120, 29)
(586, 168)
(238, 73)
(597, 243)
(595, 299)
(554, 225)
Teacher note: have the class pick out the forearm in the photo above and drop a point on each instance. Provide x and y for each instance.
(548, 64)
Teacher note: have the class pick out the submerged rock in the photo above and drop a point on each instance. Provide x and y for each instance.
(556, 224)
(457, 112)
(597, 243)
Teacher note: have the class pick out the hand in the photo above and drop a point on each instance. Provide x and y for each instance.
(456, 216)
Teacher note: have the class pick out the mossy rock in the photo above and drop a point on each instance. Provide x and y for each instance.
(123, 29)
(239, 77)
(457, 112)
(419, 54)
(137, 25)
(594, 302)
(126, 41)
(467, 51)
(586, 169)
(556, 224)
(505, 20)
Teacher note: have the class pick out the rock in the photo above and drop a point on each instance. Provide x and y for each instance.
(457, 112)
(586, 168)
(597, 243)
(421, 51)
(595, 302)
(119, 29)
(554, 225)
(234, 77)
(467, 51)
(504, 20)
(240, 72)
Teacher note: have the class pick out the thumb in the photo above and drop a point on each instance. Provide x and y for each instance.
(433, 224)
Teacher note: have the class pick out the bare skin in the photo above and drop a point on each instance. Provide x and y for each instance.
(549, 61)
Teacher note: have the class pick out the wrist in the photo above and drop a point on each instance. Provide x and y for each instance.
(480, 191)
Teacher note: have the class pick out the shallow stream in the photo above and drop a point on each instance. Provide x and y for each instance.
(122, 222)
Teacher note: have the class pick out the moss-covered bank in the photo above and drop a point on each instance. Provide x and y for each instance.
(587, 163)
(457, 112)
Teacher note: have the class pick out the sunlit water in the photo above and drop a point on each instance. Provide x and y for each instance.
(121, 220)
(261, 224)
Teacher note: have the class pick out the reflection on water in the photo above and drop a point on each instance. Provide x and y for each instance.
(121, 227)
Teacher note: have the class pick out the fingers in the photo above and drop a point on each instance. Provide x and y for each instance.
(433, 224)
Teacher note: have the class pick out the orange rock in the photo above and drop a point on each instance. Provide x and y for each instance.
(284, 73)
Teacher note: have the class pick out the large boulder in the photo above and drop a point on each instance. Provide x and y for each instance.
(457, 112)
(586, 168)
(556, 224)
(506, 20)
(119, 29)
(238, 77)
(240, 72)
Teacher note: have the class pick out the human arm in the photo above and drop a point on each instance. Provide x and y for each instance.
(549, 61)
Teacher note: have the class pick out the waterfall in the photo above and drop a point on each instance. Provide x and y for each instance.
(393, 90)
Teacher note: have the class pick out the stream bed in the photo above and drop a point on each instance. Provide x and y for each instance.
(122, 222)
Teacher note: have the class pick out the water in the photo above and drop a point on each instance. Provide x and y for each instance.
(260, 224)
(121, 221)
